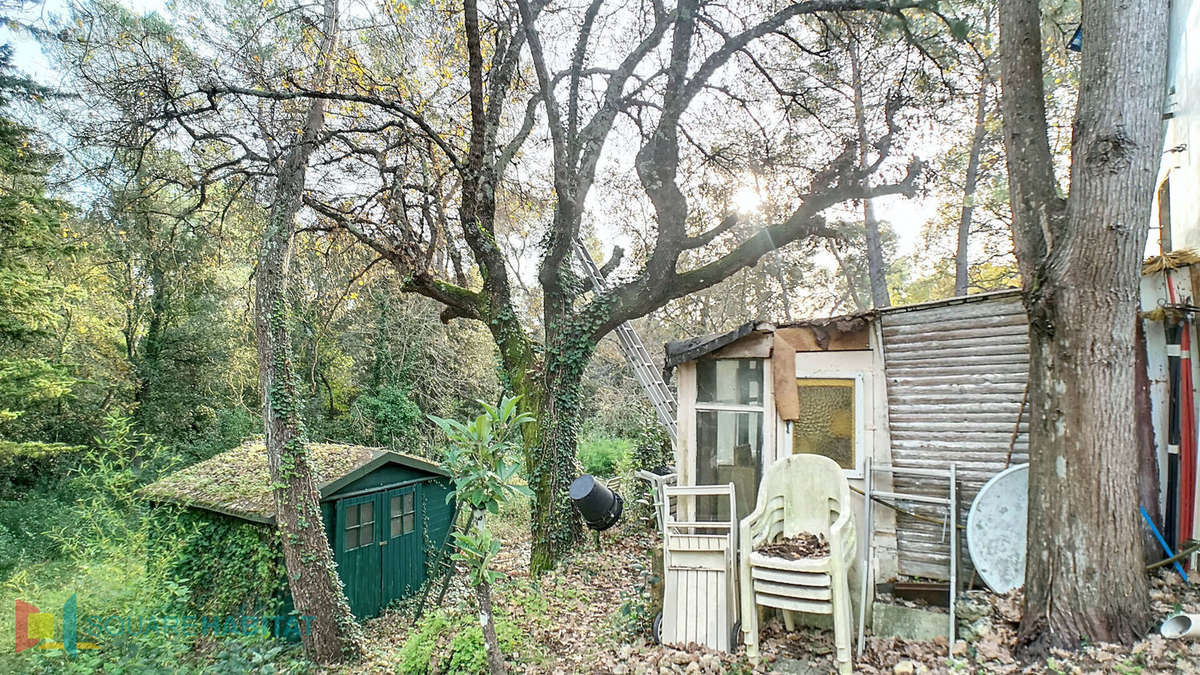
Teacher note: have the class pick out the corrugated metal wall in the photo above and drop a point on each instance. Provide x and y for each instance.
(955, 378)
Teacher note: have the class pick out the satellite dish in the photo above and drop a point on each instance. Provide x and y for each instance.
(996, 529)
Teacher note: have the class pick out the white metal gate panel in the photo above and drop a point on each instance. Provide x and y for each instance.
(956, 377)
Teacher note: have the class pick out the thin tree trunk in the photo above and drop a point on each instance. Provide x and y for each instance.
(851, 283)
(487, 619)
(1080, 267)
(876, 269)
(961, 261)
(331, 634)
(1147, 454)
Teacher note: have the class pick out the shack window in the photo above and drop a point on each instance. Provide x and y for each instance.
(360, 525)
(827, 422)
(730, 381)
(729, 432)
(403, 514)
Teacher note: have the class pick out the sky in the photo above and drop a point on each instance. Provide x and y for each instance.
(907, 216)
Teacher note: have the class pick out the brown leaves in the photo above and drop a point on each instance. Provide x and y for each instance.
(569, 619)
(803, 545)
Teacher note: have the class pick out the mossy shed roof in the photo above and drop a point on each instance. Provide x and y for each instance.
(237, 482)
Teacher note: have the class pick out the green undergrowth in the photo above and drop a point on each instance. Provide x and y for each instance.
(605, 456)
(130, 564)
(450, 641)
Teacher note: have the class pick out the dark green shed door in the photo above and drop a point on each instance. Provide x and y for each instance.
(378, 547)
(403, 554)
(357, 552)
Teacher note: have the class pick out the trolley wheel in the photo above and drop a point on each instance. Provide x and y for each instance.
(656, 629)
(735, 635)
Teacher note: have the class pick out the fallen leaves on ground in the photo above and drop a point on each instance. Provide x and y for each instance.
(573, 622)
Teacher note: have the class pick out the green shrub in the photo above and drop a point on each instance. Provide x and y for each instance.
(220, 430)
(390, 417)
(602, 456)
(24, 524)
(453, 643)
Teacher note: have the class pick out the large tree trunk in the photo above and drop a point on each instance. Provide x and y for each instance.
(331, 634)
(551, 461)
(876, 268)
(961, 260)
(1080, 265)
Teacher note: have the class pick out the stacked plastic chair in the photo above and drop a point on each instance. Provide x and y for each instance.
(800, 494)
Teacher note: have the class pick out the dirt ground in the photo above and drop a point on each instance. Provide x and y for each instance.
(583, 618)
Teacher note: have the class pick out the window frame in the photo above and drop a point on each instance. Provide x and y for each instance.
(860, 422)
(359, 525)
(736, 407)
(411, 494)
(766, 430)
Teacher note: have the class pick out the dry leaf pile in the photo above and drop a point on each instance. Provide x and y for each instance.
(803, 545)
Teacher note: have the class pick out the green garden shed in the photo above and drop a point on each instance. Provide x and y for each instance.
(386, 513)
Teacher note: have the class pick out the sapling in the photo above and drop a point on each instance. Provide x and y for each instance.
(483, 458)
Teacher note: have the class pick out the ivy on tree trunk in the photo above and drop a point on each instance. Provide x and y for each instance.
(331, 634)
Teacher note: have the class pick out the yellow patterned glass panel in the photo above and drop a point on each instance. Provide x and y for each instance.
(826, 422)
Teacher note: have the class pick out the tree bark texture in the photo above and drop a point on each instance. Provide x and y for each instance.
(961, 258)
(552, 462)
(332, 634)
(1080, 262)
(1147, 452)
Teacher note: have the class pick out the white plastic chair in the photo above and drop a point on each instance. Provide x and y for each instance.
(800, 493)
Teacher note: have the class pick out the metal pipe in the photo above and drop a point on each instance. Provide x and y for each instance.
(953, 552)
(867, 566)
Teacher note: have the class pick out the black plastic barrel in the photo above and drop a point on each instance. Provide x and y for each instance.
(600, 506)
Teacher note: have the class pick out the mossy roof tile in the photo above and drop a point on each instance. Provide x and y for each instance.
(237, 482)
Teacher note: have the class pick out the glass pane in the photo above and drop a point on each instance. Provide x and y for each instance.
(408, 502)
(351, 537)
(826, 424)
(351, 516)
(737, 381)
(395, 506)
(368, 513)
(728, 450)
(394, 527)
(408, 523)
(366, 535)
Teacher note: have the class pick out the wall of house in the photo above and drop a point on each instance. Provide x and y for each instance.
(1181, 154)
(956, 378)
(872, 434)
(872, 427)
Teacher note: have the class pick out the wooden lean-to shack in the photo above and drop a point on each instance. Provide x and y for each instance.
(912, 387)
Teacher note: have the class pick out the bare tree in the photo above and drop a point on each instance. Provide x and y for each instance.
(1079, 259)
(573, 323)
(961, 260)
(962, 263)
(876, 267)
